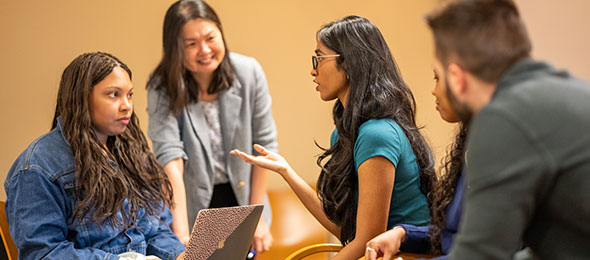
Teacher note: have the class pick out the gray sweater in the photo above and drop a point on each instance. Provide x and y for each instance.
(528, 169)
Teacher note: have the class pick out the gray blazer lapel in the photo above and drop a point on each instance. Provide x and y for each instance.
(230, 104)
(201, 129)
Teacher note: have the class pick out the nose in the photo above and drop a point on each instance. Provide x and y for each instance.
(432, 91)
(204, 48)
(126, 104)
(314, 72)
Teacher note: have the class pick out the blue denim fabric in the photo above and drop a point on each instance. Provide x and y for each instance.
(40, 204)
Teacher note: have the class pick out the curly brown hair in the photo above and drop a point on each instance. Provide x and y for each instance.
(125, 177)
(445, 191)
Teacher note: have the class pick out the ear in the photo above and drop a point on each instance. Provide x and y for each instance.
(457, 79)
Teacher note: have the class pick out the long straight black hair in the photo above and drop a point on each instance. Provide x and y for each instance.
(377, 90)
(170, 75)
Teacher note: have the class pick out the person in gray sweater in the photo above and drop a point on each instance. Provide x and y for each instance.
(528, 152)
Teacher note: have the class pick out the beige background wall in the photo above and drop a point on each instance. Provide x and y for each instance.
(39, 38)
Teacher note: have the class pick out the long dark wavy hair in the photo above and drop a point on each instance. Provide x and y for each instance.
(377, 90)
(170, 75)
(443, 194)
(101, 190)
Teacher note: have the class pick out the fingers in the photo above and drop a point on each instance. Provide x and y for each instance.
(261, 149)
(370, 254)
(259, 245)
(246, 157)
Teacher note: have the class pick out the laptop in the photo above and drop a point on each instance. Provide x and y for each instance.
(223, 233)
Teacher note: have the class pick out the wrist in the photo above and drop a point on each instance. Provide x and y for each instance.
(400, 232)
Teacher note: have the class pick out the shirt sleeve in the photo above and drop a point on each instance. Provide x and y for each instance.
(417, 239)
(36, 211)
(377, 138)
(505, 169)
(264, 130)
(163, 128)
(164, 243)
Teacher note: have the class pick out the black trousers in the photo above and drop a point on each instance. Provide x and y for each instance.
(223, 196)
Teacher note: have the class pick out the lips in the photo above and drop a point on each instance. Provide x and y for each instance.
(205, 61)
(124, 120)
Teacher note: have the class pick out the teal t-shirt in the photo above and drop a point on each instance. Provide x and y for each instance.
(384, 137)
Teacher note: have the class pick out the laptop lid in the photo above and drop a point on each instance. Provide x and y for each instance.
(223, 233)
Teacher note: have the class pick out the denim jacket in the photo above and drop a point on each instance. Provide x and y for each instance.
(40, 205)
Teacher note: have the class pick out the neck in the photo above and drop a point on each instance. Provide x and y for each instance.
(102, 139)
(204, 80)
(483, 96)
(343, 97)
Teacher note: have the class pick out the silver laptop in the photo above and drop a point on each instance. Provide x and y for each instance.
(223, 233)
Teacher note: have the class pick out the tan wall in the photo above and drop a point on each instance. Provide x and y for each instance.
(39, 38)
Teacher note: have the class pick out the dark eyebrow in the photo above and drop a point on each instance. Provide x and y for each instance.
(194, 39)
(318, 52)
(116, 88)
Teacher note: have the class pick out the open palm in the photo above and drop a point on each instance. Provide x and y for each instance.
(267, 159)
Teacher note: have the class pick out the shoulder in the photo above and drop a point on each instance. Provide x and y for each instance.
(246, 67)
(49, 155)
(380, 129)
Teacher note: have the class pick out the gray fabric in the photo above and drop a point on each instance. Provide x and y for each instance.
(246, 119)
(528, 169)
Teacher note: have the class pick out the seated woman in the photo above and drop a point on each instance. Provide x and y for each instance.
(91, 188)
(447, 197)
(379, 164)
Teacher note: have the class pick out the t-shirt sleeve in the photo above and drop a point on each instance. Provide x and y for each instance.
(377, 138)
(333, 137)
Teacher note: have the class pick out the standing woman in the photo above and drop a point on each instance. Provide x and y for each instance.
(91, 188)
(379, 167)
(436, 239)
(204, 101)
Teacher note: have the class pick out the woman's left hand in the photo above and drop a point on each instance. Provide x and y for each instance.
(267, 159)
(262, 238)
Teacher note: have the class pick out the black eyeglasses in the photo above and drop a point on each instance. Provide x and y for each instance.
(316, 59)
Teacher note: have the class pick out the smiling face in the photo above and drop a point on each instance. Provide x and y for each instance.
(331, 81)
(111, 104)
(203, 47)
(443, 106)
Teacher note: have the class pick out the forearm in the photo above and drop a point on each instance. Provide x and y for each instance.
(310, 200)
(353, 250)
(174, 169)
(259, 183)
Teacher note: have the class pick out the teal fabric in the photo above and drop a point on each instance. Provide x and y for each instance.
(384, 137)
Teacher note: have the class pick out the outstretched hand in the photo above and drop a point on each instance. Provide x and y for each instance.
(267, 159)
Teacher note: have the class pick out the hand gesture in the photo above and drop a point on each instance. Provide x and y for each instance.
(267, 159)
(387, 244)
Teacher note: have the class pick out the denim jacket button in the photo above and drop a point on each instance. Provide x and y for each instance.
(241, 184)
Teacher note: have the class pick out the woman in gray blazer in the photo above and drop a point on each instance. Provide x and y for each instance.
(204, 101)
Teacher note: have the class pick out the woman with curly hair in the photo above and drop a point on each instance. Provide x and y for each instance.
(91, 188)
(447, 197)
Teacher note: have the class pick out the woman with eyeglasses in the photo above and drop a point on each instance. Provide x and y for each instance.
(202, 102)
(379, 167)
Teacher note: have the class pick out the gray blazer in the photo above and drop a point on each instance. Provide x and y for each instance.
(245, 118)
